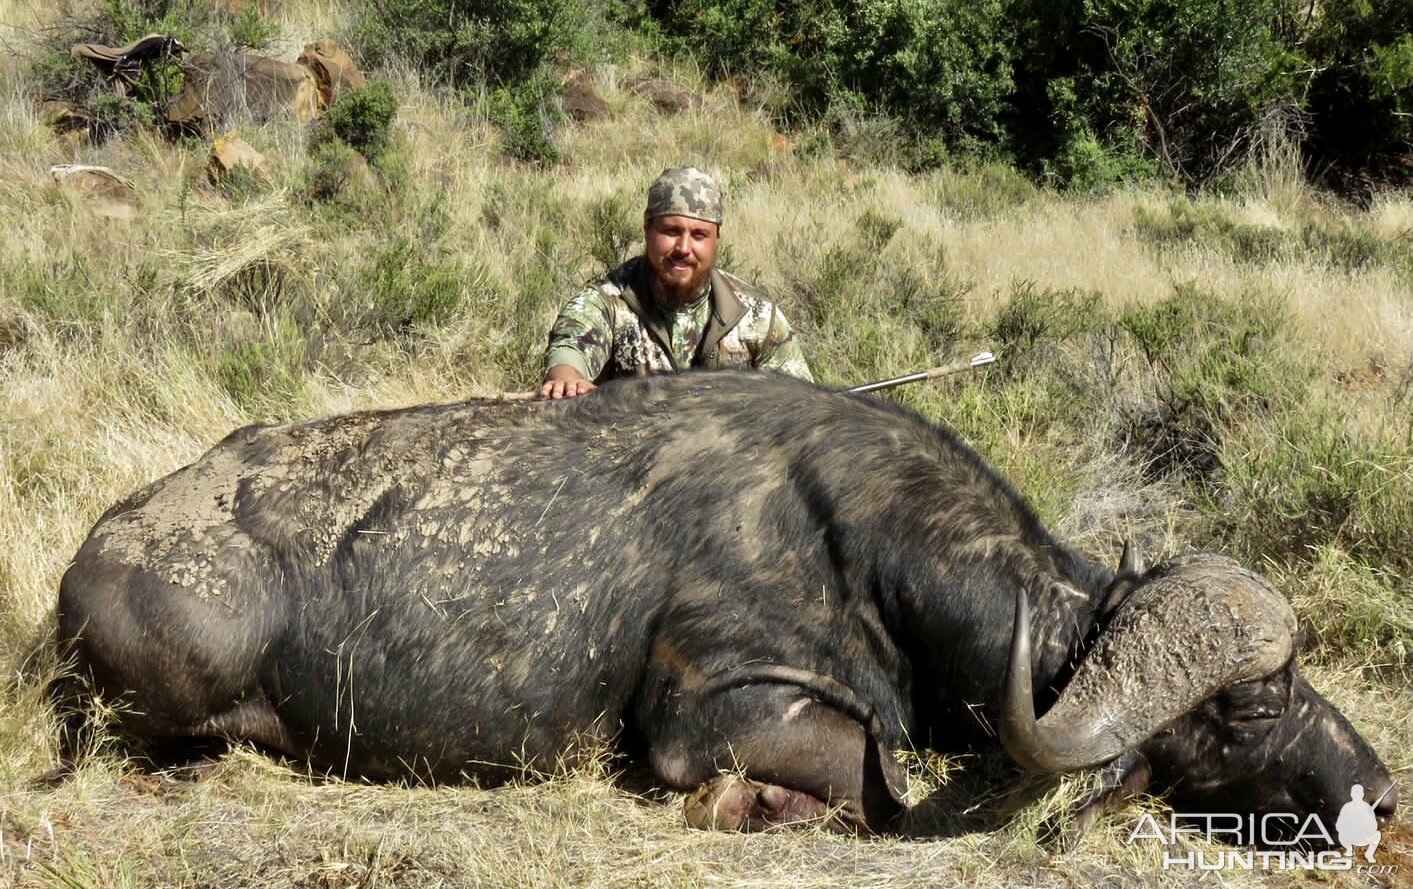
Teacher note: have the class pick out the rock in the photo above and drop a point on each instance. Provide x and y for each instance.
(581, 99)
(225, 87)
(333, 68)
(230, 152)
(110, 195)
(667, 97)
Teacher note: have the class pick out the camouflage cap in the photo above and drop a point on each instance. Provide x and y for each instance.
(684, 191)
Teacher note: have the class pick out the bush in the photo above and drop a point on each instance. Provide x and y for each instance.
(981, 192)
(616, 230)
(525, 114)
(1035, 321)
(412, 289)
(1087, 94)
(1360, 95)
(463, 42)
(1110, 86)
(1211, 226)
(1302, 484)
(1084, 163)
(265, 376)
(941, 65)
(362, 119)
(334, 172)
(1212, 366)
(1333, 240)
(196, 23)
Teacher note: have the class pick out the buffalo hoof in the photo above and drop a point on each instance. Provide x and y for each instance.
(730, 802)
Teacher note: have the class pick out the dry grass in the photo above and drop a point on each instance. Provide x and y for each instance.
(108, 336)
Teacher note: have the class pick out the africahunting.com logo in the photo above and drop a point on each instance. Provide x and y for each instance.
(1287, 842)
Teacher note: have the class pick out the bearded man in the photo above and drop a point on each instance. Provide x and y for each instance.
(669, 309)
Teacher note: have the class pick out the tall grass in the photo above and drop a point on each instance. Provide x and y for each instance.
(1226, 372)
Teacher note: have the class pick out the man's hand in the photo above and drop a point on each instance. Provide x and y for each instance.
(563, 381)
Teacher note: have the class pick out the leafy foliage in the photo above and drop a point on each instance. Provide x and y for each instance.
(1086, 93)
(1360, 93)
(941, 65)
(459, 43)
(1330, 240)
(411, 288)
(1214, 365)
(197, 24)
(264, 374)
(525, 115)
(362, 118)
(495, 50)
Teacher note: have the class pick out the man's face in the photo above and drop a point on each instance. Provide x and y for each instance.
(681, 252)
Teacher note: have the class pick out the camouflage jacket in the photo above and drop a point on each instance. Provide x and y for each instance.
(612, 328)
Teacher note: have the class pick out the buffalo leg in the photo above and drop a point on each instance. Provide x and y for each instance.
(767, 754)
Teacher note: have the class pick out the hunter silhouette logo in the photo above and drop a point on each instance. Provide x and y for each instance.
(1357, 825)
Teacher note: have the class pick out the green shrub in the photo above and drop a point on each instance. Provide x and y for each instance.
(1211, 366)
(941, 65)
(1108, 87)
(362, 119)
(196, 23)
(465, 42)
(981, 192)
(264, 376)
(1337, 242)
(931, 300)
(525, 114)
(1035, 321)
(112, 113)
(119, 21)
(1045, 340)
(412, 287)
(1346, 246)
(334, 172)
(247, 29)
(1360, 94)
(242, 183)
(1085, 163)
(1305, 483)
(1209, 225)
(617, 226)
(835, 283)
(877, 229)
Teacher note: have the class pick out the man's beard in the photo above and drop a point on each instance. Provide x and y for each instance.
(673, 295)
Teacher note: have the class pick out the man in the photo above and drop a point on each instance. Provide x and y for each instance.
(1357, 825)
(669, 309)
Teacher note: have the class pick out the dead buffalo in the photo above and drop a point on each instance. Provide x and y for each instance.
(747, 574)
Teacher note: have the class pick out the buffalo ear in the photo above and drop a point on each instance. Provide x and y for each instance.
(895, 777)
(1131, 568)
(1121, 779)
(1131, 562)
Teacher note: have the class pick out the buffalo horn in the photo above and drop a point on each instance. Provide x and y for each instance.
(1193, 627)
